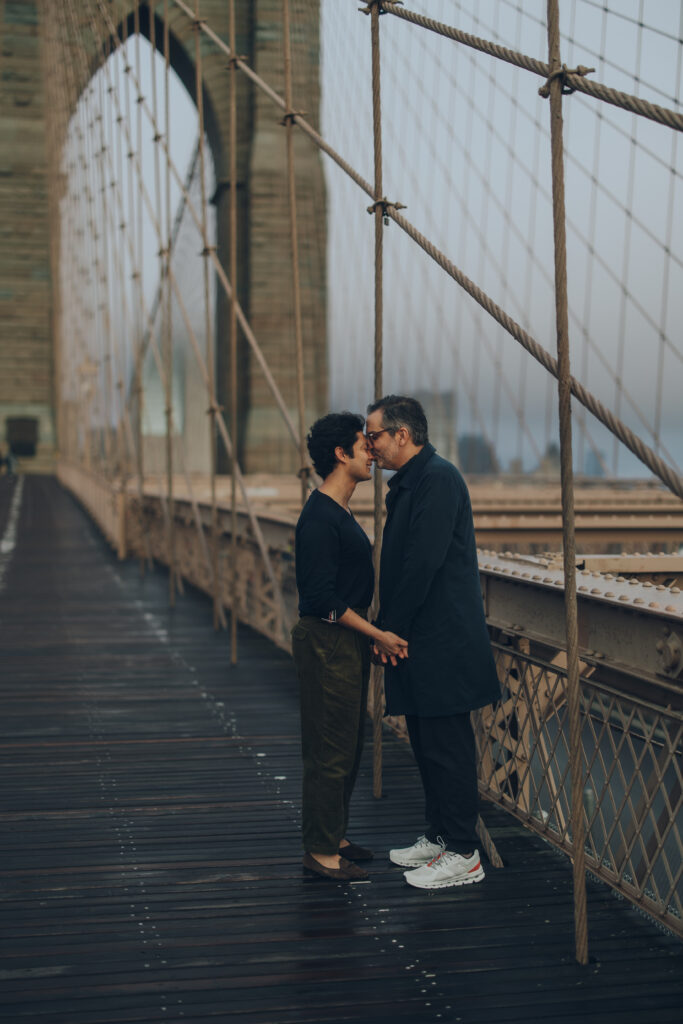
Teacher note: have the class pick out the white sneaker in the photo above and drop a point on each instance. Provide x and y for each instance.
(421, 852)
(445, 870)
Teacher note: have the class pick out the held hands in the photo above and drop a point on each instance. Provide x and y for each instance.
(388, 647)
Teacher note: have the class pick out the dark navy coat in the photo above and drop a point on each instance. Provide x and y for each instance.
(430, 594)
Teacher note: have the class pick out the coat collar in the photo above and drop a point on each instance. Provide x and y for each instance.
(410, 473)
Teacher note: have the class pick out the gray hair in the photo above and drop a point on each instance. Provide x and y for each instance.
(402, 411)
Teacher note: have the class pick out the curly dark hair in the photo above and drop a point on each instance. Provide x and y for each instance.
(336, 430)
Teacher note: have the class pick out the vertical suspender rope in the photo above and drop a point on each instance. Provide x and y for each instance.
(233, 340)
(73, 301)
(140, 461)
(296, 287)
(555, 82)
(210, 359)
(53, 221)
(168, 338)
(377, 674)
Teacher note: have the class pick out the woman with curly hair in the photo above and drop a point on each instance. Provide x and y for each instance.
(331, 643)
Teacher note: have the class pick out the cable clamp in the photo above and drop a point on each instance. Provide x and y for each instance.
(385, 205)
(234, 62)
(288, 118)
(305, 473)
(563, 73)
(214, 409)
(379, 4)
(207, 250)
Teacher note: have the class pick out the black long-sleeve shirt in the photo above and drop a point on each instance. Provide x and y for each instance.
(333, 560)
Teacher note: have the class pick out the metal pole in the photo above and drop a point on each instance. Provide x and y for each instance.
(168, 339)
(567, 479)
(233, 340)
(377, 672)
(210, 356)
(296, 289)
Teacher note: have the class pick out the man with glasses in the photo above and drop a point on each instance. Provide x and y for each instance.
(430, 594)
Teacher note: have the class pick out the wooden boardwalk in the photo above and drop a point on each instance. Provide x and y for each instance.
(150, 849)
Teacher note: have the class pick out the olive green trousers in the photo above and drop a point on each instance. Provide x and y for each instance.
(333, 666)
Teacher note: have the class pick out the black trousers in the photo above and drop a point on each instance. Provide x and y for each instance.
(333, 665)
(445, 752)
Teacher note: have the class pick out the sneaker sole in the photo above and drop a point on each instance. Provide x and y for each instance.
(405, 862)
(448, 883)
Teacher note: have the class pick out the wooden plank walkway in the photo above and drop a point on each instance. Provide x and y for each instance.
(150, 855)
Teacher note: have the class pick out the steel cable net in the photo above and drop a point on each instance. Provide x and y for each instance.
(113, 281)
(191, 428)
(466, 149)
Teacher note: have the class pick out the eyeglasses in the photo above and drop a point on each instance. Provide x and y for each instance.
(372, 434)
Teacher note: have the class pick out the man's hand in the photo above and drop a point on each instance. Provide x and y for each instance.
(389, 647)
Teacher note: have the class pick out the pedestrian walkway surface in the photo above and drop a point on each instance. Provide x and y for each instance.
(150, 856)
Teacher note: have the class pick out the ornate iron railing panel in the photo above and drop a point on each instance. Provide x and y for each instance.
(632, 770)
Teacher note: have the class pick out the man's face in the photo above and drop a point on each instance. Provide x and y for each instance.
(383, 445)
(361, 461)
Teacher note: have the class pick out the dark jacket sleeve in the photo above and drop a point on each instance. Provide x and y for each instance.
(435, 505)
(318, 553)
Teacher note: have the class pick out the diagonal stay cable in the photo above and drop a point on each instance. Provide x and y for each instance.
(227, 440)
(642, 451)
(575, 80)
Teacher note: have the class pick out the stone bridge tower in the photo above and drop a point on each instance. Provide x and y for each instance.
(28, 301)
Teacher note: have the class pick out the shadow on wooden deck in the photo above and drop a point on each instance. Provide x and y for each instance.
(150, 850)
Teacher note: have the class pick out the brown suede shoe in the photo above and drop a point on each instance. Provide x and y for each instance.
(346, 872)
(353, 852)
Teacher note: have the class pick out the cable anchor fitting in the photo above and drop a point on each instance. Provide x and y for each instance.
(563, 73)
(288, 118)
(385, 205)
(380, 6)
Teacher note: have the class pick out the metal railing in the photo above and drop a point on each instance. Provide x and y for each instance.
(632, 758)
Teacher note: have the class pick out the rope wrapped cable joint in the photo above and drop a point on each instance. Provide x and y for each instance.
(380, 5)
(234, 62)
(289, 117)
(563, 73)
(385, 205)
